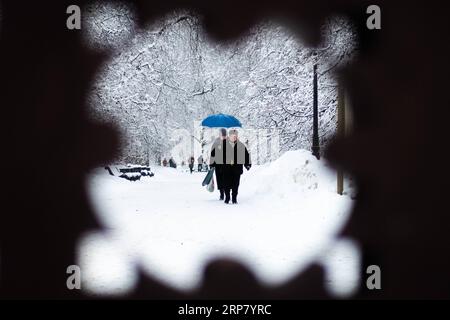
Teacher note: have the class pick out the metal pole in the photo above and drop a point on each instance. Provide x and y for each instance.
(315, 143)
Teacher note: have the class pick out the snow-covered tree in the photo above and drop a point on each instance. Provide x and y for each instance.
(159, 80)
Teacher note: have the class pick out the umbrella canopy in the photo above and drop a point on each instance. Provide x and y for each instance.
(221, 121)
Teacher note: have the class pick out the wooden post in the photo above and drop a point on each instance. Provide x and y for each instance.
(340, 132)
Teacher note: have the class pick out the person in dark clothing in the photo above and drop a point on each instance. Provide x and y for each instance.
(200, 163)
(237, 157)
(172, 163)
(191, 164)
(217, 160)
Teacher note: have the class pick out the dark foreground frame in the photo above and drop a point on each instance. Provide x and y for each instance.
(396, 152)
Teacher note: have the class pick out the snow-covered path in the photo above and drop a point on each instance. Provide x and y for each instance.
(287, 217)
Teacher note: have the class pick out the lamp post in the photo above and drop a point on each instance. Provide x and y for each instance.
(315, 141)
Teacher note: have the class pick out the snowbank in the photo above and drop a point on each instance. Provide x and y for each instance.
(295, 171)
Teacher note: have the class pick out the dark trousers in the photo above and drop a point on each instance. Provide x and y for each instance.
(219, 178)
(233, 186)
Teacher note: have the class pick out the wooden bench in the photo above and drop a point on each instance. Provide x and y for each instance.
(131, 173)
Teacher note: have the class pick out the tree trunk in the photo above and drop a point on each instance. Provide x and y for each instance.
(341, 125)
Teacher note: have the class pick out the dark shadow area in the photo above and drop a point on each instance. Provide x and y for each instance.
(396, 152)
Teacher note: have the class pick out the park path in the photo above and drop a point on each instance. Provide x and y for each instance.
(171, 226)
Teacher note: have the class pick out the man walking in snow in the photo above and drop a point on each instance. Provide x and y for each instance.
(237, 157)
(217, 159)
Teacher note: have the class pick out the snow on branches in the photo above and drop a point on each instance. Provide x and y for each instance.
(161, 79)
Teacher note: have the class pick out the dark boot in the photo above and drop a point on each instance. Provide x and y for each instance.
(234, 196)
(227, 196)
(222, 194)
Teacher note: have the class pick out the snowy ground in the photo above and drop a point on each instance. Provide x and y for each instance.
(287, 217)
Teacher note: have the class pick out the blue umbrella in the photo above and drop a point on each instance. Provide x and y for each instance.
(221, 121)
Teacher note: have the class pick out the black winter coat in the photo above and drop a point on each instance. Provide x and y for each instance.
(217, 160)
(236, 158)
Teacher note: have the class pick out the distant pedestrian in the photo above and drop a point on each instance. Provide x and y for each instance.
(200, 163)
(191, 164)
(172, 163)
(164, 163)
